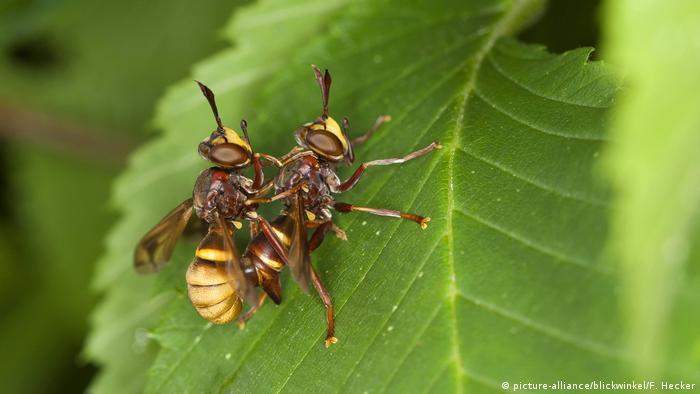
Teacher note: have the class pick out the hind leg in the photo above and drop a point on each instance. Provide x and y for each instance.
(421, 220)
(328, 303)
(243, 319)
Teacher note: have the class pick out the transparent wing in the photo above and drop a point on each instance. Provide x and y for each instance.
(156, 247)
(299, 261)
(233, 265)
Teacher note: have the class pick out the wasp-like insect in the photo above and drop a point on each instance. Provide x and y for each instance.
(217, 279)
(322, 146)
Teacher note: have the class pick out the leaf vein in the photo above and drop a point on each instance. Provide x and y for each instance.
(534, 127)
(436, 378)
(591, 346)
(184, 354)
(502, 72)
(535, 246)
(536, 183)
(400, 301)
(412, 347)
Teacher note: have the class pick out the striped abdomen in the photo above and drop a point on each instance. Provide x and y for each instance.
(267, 262)
(209, 285)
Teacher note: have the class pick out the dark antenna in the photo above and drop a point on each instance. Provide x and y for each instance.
(244, 129)
(212, 103)
(324, 82)
(346, 130)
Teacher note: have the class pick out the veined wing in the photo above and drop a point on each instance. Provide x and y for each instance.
(231, 261)
(156, 247)
(299, 261)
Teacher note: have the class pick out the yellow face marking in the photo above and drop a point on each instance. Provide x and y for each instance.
(238, 225)
(215, 141)
(213, 254)
(234, 138)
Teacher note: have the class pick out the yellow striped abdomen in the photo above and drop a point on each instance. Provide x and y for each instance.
(211, 293)
(262, 254)
(209, 285)
(267, 262)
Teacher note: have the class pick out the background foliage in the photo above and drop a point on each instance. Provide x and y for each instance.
(534, 268)
(79, 83)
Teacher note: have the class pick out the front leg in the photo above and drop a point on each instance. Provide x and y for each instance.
(278, 196)
(377, 124)
(294, 154)
(258, 170)
(352, 181)
(254, 187)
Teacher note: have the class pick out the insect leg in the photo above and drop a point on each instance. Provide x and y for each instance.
(352, 181)
(297, 156)
(254, 309)
(294, 154)
(253, 229)
(278, 196)
(266, 187)
(272, 238)
(377, 124)
(320, 233)
(328, 303)
(291, 153)
(314, 224)
(317, 237)
(275, 161)
(421, 220)
(259, 174)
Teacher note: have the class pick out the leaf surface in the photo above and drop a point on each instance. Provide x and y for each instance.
(507, 283)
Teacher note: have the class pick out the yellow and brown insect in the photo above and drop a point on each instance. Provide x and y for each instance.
(217, 279)
(322, 146)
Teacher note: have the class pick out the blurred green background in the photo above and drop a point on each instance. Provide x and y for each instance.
(78, 84)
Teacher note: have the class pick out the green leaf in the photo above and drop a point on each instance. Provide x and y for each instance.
(119, 340)
(656, 174)
(507, 284)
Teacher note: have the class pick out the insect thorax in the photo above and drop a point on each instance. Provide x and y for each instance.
(220, 190)
(314, 173)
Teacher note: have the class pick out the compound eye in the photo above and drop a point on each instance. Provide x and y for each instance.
(325, 142)
(204, 150)
(228, 154)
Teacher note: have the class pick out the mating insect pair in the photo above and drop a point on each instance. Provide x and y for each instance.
(219, 278)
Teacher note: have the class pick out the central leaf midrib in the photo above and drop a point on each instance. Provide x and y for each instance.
(503, 25)
(339, 307)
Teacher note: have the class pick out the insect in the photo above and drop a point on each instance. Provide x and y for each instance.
(322, 146)
(217, 279)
